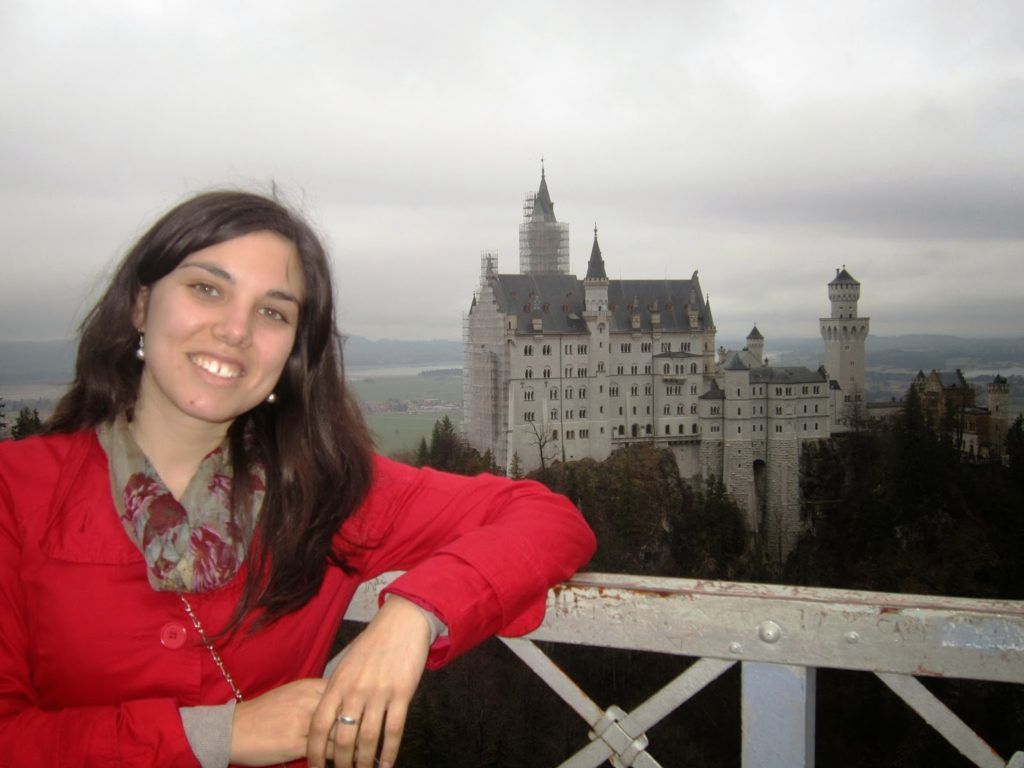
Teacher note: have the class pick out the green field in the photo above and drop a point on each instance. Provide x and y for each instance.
(396, 431)
(384, 388)
(402, 431)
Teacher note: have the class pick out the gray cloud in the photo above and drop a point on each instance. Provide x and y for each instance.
(762, 145)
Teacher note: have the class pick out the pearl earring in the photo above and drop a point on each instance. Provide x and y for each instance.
(140, 352)
(271, 398)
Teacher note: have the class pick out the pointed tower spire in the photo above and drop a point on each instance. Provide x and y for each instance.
(595, 267)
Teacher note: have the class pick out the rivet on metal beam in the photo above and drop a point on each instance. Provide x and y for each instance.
(735, 648)
(769, 631)
(852, 637)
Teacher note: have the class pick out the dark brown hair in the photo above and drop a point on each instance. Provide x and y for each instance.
(313, 442)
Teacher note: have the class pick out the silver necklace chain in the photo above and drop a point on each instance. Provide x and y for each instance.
(209, 646)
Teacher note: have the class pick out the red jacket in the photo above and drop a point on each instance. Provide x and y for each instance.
(94, 664)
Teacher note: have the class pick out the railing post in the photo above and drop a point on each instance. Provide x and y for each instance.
(778, 716)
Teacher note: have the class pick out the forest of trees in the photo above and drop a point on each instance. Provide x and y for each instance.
(894, 508)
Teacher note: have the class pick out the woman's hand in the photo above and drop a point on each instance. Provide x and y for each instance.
(273, 728)
(372, 684)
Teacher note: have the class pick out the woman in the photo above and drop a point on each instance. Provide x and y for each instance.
(176, 553)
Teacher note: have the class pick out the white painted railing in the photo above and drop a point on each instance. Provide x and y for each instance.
(780, 635)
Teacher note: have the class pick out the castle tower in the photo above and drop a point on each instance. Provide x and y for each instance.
(595, 284)
(755, 345)
(543, 240)
(844, 334)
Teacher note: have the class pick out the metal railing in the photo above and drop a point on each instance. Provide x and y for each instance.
(779, 635)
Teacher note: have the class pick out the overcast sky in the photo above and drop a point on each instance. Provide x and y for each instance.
(763, 144)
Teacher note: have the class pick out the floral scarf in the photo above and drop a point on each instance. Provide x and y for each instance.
(191, 545)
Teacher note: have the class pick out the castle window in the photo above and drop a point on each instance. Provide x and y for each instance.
(581, 372)
(554, 414)
(634, 410)
(789, 390)
(613, 390)
(568, 393)
(554, 434)
(581, 349)
(528, 416)
(547, 373)
(805, 409)
(622, 429)
(528, 395)
(666, 368)
(568, 349)
(583, 413)
(570, 414)
(645, 346)
(805, 390)
(528, 350)
(815, 408)
(778, 427)
(620, 370)
(620, 410)
(647, 368)
(584, 434)
(634, 390)
(815, 426)
(817, 389)
(625, 348)
(647, 389)
(600, 366)
(693, 389)
(668, 430)
(680, 409)
(570, 435)
(693, 367)
(554, 393)
(529, 373)
(778, 410)
(739, 392)
(666, 409)
(633, 370)
(583, 393)
(694, 429)
(666, 346)
(648, 410)
(648, 429)
(568, 371)
(778, 391)
(805, 427)
(739, 411)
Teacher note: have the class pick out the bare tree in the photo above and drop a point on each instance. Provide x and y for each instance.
(542, 436)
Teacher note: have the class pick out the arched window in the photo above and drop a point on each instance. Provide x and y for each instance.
(528, 350)
(529, 373)
(693, 367)
(666, 368)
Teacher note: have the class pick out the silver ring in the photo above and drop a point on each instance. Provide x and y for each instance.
(346, 720)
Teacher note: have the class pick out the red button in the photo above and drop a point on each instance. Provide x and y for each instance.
(172, 635)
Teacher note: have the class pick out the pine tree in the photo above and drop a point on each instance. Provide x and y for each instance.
(515, 467)
(27, 423)
(3, 418)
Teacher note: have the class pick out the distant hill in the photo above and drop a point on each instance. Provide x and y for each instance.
(909, 352)
(53, 362)
(30, 362)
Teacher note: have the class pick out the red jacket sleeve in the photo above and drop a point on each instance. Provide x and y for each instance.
(136, 733)
(480, 553)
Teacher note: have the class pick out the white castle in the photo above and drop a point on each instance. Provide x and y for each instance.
(558, 368)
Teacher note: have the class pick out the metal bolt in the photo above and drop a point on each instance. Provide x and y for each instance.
(769, 631)
(735, 647)
(852, 637)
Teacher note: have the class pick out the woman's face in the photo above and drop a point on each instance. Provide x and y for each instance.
(219, 329)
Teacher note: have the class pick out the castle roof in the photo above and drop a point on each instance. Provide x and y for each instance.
(595, 267)
(734, 363)
(786, 374)
(842, 276)
(560, 299)
(755, 335)
(714, 392)
(543, 208)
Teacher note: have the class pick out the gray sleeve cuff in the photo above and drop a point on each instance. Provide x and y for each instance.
(208, 730)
